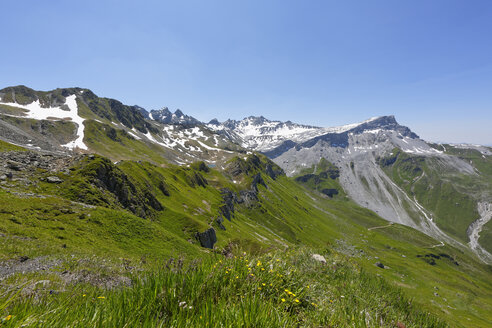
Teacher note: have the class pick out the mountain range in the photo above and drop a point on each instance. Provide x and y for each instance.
(255, 182)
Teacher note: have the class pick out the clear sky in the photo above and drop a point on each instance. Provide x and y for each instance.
(325, 63)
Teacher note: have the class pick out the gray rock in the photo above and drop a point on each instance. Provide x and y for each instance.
(319, 258)
(207, 238)
(14, 165)
(53, 179)
(380, 265)
(219, 221)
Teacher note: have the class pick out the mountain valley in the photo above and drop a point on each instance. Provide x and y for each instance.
(103, 193)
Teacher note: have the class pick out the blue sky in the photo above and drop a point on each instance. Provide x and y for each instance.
(326, 63)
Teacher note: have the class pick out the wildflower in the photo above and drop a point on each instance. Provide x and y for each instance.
(297, 301)
(237, 277)
(283, 299)
(263, 284)
(314, 304)
(258, 264)
(259, 288)
(7, 318)
(278, 260)
(83, 295)
(308, 286)
(101, 297)
(287, 291)
(262, 269)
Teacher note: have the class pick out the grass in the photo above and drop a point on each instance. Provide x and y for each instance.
(6, 146)
(274, 290)
(451, 196)
(286, 215)
(322, 177)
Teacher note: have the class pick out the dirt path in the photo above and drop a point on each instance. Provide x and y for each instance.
(385, 226)
(438, 245)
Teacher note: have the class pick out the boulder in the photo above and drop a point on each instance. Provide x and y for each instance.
(53, 179)
(380, 265)
(319, 258)
(207, 238)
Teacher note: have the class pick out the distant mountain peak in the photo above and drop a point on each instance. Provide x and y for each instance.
(164, 115)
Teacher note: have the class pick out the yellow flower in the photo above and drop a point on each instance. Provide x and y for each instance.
(7, 318)
(314, 304)
(283, 299)
(278, 260)
(237, 277)
(102, 297)
(262, 269)
(259, 288)
(307, 286)
(287, 291)
(297, 301)
(258, 264)
(263, 284)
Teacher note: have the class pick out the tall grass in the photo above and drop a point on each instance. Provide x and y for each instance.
(287, 289)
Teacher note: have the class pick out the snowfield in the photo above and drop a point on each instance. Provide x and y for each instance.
(35, 111)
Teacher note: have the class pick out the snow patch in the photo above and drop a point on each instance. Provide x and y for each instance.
(35, 111)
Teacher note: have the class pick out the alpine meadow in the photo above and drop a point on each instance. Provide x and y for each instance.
(355, 192)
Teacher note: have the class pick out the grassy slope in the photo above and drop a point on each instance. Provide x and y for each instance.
(449, 195)
(321, 177)
(6, 146)
(274, 290)
(121, 146)
(483, 164)
(286, 215)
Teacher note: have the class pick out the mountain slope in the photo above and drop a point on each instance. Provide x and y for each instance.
(133, 210)
(365, 153)
(76, 119)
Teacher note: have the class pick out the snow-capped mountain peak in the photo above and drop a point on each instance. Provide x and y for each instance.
(164, 115)
(261, 134)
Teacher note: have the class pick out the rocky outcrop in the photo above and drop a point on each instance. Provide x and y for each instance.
(228, 200)
(196, 179)
(207, 238)
(257, 180)
(330, 192)
(165, 116)
(106, 176)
